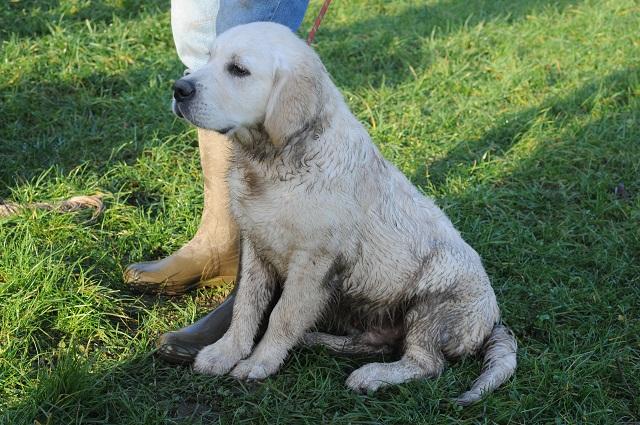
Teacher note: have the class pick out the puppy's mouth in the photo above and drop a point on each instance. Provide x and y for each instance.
(177, 107)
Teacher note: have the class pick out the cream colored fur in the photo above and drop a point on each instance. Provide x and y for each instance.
(355, 247)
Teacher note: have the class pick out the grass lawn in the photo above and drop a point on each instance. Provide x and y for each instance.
(519, 117)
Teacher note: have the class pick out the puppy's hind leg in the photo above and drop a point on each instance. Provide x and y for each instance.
(422, 358)
(418, 364)
(349, 345)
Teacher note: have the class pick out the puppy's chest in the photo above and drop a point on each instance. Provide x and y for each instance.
(274, 209)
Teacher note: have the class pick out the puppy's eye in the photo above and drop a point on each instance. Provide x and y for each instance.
(237, 70)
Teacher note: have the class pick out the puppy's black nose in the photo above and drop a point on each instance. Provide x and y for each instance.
(183, 90)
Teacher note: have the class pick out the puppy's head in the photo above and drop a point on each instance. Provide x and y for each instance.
(258, 74)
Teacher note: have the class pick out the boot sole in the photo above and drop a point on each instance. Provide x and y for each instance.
(174, 288)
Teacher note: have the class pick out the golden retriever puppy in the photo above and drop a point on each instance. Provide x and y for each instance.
(352, 244)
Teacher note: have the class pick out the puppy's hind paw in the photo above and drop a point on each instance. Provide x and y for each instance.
(366, 379)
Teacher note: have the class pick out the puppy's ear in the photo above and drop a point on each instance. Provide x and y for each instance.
(294, 103)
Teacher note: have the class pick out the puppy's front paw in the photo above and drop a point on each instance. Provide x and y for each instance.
(254, 370)
(217, 359)
(368, 378)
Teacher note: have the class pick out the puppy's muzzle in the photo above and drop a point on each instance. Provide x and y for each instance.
(183, 90)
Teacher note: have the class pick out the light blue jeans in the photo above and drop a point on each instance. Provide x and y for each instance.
(238, 12)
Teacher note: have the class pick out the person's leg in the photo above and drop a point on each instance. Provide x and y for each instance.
(183, 345)
(237, 12)
(213, 251)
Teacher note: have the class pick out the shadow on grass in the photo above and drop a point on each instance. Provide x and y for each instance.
(32, 18)
(380, 50)
(89, 120)
(140, 389)
(580, 159)
(513, 126)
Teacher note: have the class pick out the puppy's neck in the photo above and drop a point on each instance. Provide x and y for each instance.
(310, 129)
(256, 143)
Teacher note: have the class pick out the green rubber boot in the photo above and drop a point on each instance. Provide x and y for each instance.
(182, 346)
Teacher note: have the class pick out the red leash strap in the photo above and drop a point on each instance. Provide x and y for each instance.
(318, 21)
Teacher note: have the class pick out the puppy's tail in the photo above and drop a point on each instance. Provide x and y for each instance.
(498, 366)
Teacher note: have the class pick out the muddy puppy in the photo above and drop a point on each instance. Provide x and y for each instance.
(326, 219)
